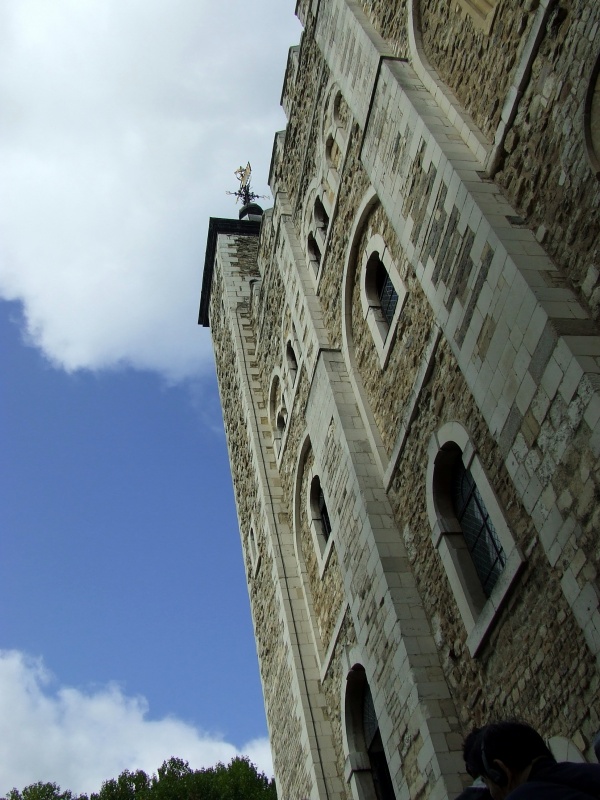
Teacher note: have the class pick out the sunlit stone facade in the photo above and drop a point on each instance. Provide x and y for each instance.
(408, 357)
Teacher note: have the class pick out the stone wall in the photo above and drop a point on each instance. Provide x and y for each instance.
(388, 17)
(535, 654)
(545, 170)
(305, 96)
(326, 590)
(388, 389)
(476, 66)
(227, 312)
(542, 165)
(490, 337)
(333, 691)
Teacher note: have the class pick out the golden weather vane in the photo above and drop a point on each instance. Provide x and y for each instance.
(245, 193)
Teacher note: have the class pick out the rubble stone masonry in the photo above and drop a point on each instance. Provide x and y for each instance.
(449, 137)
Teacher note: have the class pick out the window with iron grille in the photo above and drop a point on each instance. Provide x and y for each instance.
(324, 514)
(364, 736)
(386, 293)
(479, 531)
(319, 512)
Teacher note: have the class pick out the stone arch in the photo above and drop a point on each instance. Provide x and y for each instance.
(351, 264)
(305, 454)
(366, 770)
(291, 360)
(278, 413)
(382, 293)
(291, 356)
(334, 141)
(451, 450)
(447, 102)
(313, 231)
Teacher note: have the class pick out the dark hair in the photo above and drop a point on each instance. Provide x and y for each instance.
(513, 742)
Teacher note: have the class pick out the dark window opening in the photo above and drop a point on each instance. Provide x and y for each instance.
(386, 293)
(479, 531)
(324, 514)
(313, 249)
(321, 216)
(292, 361)
(320, 514)
(280, 423)
(382, 779)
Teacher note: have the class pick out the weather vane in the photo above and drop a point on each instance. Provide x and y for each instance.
(245, 193)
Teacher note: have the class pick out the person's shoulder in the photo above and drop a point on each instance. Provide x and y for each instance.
(560, 781)
(571, 774)
(544, 790)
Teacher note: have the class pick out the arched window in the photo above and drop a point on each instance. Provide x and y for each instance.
(320, 514)
(368, 762)
(332, 153)
(314, 253)
(278, 413)
(383, 295)
(383, 292)
(478, 551)
(292, 361)
(477, 527)
(339, 108)
(281, 421)
(321, 216)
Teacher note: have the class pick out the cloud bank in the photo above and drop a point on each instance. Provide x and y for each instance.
(120, 127)
(80, 738)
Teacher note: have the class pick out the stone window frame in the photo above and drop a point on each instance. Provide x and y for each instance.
(278, 414)
(478, 613)
(334, 133)
(323, 544)
(291, 360)
(321, 219)
(358, 769)
(382, 332)
(591, 119)
(314, 254)
(299, 505)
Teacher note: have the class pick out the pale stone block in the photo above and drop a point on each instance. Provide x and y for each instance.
(571, 380)
(585, 604)
(552, 377)
(592, 633)
(535, 329)
(592, 412)
(532, 494)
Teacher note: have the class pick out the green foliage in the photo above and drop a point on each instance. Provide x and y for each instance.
(43, 791)
(239, 780)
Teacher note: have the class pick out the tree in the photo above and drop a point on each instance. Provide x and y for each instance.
(43, 791)
(239, 780)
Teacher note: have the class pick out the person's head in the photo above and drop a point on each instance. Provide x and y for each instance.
(502, 754)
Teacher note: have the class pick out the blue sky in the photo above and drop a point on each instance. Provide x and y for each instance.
(125, 632)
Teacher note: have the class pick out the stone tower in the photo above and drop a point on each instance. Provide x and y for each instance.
(408, 357)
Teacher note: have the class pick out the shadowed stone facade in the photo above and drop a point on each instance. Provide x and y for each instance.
(443, 155)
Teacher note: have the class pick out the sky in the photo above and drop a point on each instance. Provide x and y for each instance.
(125, 630)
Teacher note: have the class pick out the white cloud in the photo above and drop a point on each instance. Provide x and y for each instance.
(80, 738)
(120, 127)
